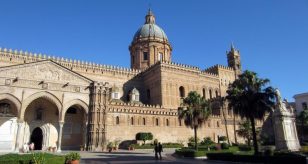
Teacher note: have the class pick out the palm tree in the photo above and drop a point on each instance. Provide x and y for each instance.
(223, 101)
(195, 110)
(249, 98)
(303, 119)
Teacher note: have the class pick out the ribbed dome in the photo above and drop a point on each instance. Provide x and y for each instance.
(150, 30)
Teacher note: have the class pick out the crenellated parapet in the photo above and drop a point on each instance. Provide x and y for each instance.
(141, 109)
(214, 69)
(19, 57)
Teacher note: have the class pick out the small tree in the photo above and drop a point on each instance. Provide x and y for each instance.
(245, 131)
(144, 136)
(207, 141)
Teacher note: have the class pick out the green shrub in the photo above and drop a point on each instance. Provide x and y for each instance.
(189, 152)
(243, 147)
(72, 156)
(192, 140)
(151, 146)
(276, 159)
(222, 138)
(172, 145)
(207, 141)
(225, 146)
(38, 158)
(144, 136)
(145, 146)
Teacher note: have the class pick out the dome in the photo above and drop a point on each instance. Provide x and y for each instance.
(150, 30)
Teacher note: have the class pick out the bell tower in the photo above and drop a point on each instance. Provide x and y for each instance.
(150, 44)
(234, 60)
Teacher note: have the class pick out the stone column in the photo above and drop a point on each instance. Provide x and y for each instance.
(60, 135)
(18, 136)
(85, 129)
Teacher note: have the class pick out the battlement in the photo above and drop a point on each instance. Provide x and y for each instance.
(214, 69)
(19, 57)
(141, 109)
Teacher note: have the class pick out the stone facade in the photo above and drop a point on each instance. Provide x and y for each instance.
(75, 103)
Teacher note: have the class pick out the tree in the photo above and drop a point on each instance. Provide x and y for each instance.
(245, 131)
(250, 98)
(144, 136)
(195, 110)
(223, 101)
(303, 119)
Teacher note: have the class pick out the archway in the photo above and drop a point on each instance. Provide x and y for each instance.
(37, 138)
(42, 113)
(8, 121)
(74, 128)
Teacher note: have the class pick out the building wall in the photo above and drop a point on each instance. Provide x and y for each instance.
(300, 99)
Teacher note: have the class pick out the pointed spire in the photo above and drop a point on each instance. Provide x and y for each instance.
(150, 18)
(232, 47)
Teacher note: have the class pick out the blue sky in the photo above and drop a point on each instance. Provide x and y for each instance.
(272, 36)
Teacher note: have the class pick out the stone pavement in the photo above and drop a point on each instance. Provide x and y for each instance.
(137, 156)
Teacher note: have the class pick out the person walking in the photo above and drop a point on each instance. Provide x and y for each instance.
(156, 150)
(160, 149)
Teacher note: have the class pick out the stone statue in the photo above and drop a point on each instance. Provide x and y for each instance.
(284, 126)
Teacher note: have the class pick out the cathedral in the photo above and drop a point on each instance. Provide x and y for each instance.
(68, 104)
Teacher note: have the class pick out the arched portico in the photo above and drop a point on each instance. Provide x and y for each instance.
(46, 95)
(41, 111)
(74, 117)
(9, 109)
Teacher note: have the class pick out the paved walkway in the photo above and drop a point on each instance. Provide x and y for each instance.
(136, 156)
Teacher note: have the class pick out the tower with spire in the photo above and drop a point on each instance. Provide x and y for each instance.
(149, 45)
(234, 60)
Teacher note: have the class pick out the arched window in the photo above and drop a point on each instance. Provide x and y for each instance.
(216, 93)
(210, 92)
(203, 93)
(144, 122)
(132, 120)
(157, 122)
(218, 124)
(39, 114)
(182, 91)
(160, 56)
(117, 120)
(167, 122)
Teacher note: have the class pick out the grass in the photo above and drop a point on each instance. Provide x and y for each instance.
(26, 158)
(189, 151)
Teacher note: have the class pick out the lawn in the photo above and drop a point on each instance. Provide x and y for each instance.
(27, 158)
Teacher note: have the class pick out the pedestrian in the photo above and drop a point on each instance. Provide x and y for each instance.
(31, 146)
(156, 150)
(160, 149)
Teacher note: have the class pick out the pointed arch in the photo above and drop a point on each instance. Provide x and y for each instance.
(46, 95)
(67, 105)
(14, 100)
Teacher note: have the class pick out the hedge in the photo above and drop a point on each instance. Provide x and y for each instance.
(27, 158)
(151, 146)
(189, 153)
(282, 158)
